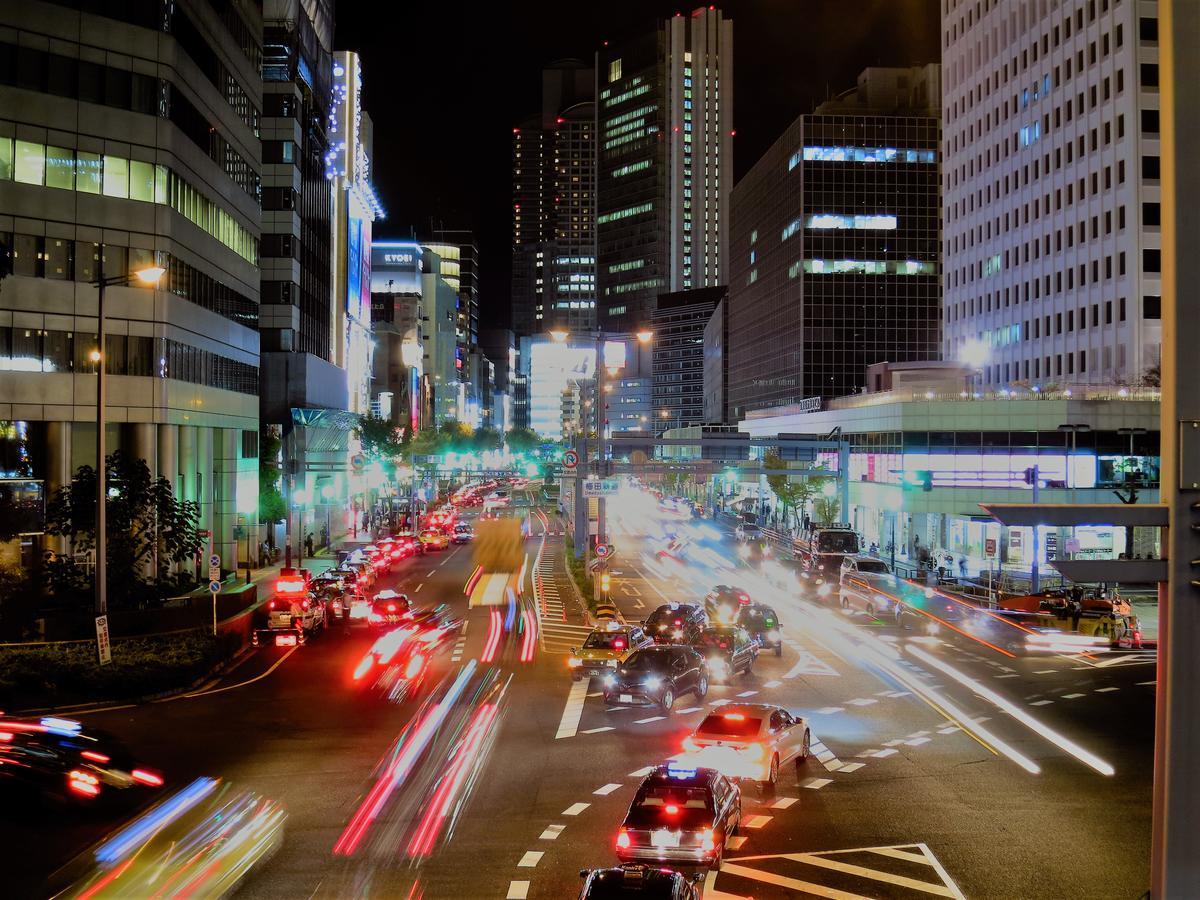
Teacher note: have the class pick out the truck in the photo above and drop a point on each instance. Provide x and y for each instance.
(820, 549)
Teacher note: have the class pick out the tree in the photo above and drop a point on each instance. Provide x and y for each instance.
(271, 508)
(381, 439)
(428, 442)
(487, 438)
(793, 495)
(826, 509)
(148, 529)
(1152, 376)
(521, 440)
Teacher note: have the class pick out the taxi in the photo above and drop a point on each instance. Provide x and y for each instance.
(605, 648)
(723, 602)
(680, 815)
(432, 539)
(749, 740)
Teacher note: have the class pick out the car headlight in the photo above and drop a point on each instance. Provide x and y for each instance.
(574, 662)
(717, 665)
(823, 590)
(678, 632)
(653, 682)
(773, 635)
(610, 681)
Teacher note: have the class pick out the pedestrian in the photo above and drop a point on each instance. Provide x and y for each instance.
(962, 567)
(324, 535)
(308, 544)
(1076, 613)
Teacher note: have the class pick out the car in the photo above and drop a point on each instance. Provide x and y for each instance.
(676, 623)
(722, 603)
(749, 740)
(331, 591)
(364, 572)
(680, 815)
(463, 533)
(605, 648)
(389, 608)
(762, 624)
(675, 550)
(727, 650)
(748, 531)
(656, 676)
(396, 665)
(58, 759)
(857, 589)
(293, 614)
(433, 539)
(434, 627)
(411, 541)
(636, 880)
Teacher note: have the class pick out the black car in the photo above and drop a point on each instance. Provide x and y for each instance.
(727, 650)
(56, 758)
(723, 602)
(763, 625)
(680, 815)
(650, 882)
(676, 623)
(389, 608)
(657, 675)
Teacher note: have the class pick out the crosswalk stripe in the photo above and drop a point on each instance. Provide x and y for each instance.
(573, 711)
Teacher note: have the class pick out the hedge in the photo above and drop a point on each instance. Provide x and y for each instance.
(59, 674)
(579, 572)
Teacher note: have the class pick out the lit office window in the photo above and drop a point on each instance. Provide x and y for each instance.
(857, 222)
(30, 163)
(116, 176)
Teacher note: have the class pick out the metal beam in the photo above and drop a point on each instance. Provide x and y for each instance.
(1123, 571)
(1135, 515)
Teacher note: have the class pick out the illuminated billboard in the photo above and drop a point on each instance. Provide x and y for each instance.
(553, 367)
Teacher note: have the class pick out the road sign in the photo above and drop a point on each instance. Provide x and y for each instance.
(597, 565)
(358, 462)
(603, 550)
(600, 487)
(570, 459)
(214, 561)
(102, 643)
(214, 586)
(989, 547)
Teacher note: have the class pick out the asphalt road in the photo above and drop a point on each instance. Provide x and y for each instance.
(944, 767)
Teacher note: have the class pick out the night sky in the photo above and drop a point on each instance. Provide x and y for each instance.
(444, 83)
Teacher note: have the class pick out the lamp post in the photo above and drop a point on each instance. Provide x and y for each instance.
(147, 276)
(1073, 428)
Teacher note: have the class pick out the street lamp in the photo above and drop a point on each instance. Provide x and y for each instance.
(147, 276)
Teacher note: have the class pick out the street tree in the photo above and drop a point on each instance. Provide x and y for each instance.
(150, 531)
(521, 440)
(381, 439)
(271, 506)
(793, 496)
(826, 509)
(487, 438)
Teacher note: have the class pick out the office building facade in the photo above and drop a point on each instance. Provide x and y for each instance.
(400, 391)
(679, 323)
(1051, 187)
(664, 131)
(129, 141)
(834, 259)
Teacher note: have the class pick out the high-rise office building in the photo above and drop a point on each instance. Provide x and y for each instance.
(1051, 191)
(129, 138)
(679, 323)
(400, 391)
(834, 250)
(458, 246)
(554, 212)
(664, 119)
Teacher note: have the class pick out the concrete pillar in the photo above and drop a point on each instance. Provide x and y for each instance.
(143, 444)
(205, 478)
(187, 462)
(168, 455)
(225, 463)
(58, 472)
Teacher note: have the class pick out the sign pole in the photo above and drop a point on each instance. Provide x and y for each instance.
(214, 584)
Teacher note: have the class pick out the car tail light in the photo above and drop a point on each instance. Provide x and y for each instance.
(623, 841)
(151, 778)
(619, 645)
(83, 783)
(707, 844)
(5, 737)
(92, 755)
(391, 607)
(671, 809)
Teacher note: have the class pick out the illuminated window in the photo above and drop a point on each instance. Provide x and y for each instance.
(614, 70)
(116, 176)
(30, 163)
(864, 267)
(882, 222)
(861, 155)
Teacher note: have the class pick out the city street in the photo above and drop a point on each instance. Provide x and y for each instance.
(941, 767)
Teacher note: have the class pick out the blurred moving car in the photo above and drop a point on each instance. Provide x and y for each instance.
(723, 601)
(727, 650)
(748, 531)
(749, 740)
(637, 880)
(657, 676)
(56, 758)
(435, 628)
(676, 623)
(605, 648)
(763, 626)
(433, 539)
(857, 589)
(681, 815)
(463, 534)
(201, 841)
(389, 608)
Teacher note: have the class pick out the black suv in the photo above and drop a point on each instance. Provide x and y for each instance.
(676, 623)
(762, 624)
(727, 649)
(630, 882)
(657, 675)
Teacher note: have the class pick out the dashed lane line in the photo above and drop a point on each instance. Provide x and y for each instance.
(784, 802)
(607, 789)
(1041, 702)
(756, 822)
(648, 719)
(916, 742)
(689, 709)
(733, 843)
(747, 693)
(530, 859)
(517, 890)
(642, 773)
(1072, 696)
(419, 586)
(862, 701)
(815, 784)
(432, 572)
(573, 711)
(850, 767)
(597, 730)
(772, 684)
(1106, 690)
(575, 809)
(880, 754)
(552, 832)
(829, 710)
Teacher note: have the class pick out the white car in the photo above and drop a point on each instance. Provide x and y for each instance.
(749, 740)
(858, 588)
(748, 531)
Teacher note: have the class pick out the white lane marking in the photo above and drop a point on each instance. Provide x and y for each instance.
(772, 684)
(1143, 683)
(573, 711)
(642, 773)
(747, 693)
(862, 701)
(517, 890)
(690, 709)
(1010, 675)
(810, 665)
(419, 586)
(1106, 690)
(829, 710)
(606, 790)
(917, 734)
(1041, 702)
(815, 784)
(784, 802)
(1071, 696)
(757, 821)
(917, 742)
(229, 687)
(894, 743)
(575, 809)
(851, 767)
(530, 859)
(1045, 671)
(432, 572)
(894, 694)
(597, 730)
(552, 832)
(949, 729)
(825, 756)
(596, 694)
(880, 754)
(733, 843)
(648, 719)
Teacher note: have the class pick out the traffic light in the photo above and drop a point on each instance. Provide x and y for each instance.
(605, 583)
(1031, 475)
